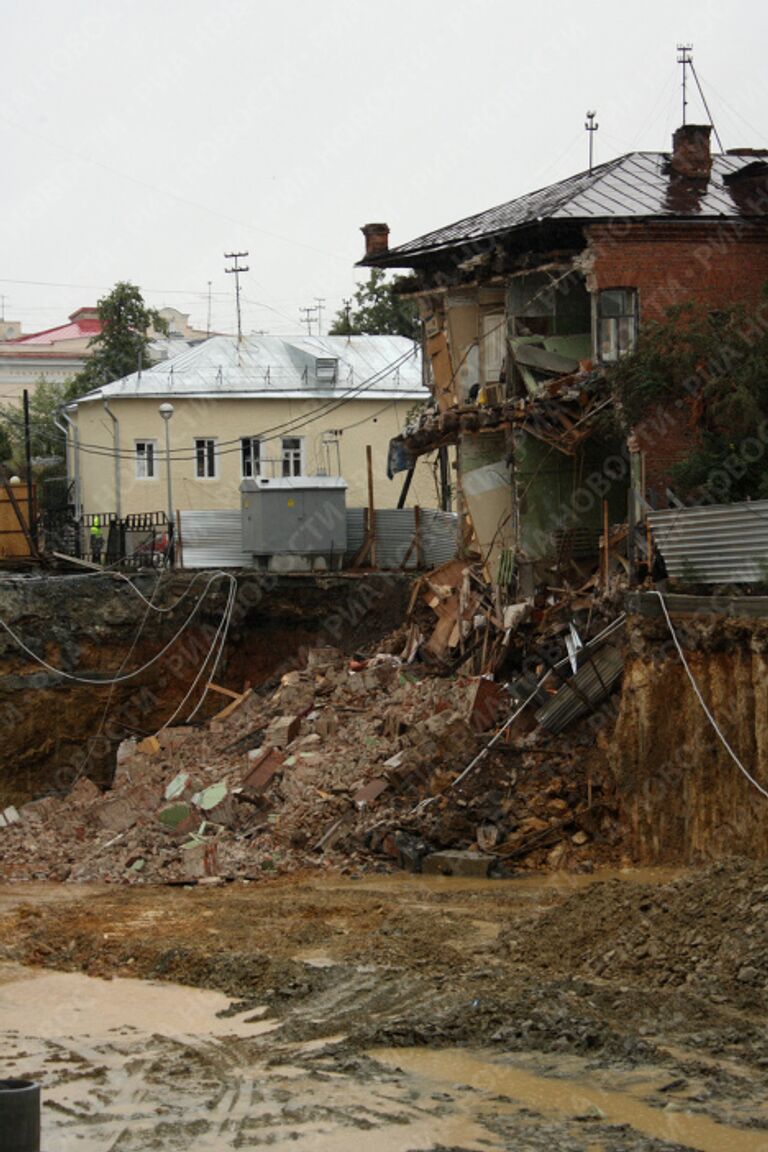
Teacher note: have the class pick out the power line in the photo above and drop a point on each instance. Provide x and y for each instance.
(294, 424)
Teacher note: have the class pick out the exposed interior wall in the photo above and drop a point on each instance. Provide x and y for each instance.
(487, 493)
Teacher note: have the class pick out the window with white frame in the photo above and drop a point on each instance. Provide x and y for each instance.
(292, 455)
(616, 323)
(146, 454)
(205, 458)
(250, 455)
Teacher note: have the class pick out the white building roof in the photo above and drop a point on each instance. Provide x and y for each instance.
(301, 367)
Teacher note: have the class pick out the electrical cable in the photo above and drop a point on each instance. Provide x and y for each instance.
(293, 424)
(700, 698)
(90, 743)
(119, 679)
(221, 631)
(608, 631)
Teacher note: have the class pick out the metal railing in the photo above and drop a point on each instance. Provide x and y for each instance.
(139, 540)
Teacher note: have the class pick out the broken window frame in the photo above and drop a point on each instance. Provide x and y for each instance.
(146, 457)
(292, 455)
(206, 458)
(616, 331)
(250, 457)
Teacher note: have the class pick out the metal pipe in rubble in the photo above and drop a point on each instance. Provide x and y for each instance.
(116, 438)
(61, 415)
(19, 1116)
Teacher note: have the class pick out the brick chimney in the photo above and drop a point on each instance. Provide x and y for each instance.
(691, 156)
(376, 239)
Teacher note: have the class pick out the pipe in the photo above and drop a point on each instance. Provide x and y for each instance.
(116, 438)
(61, 414)
(19, 1116)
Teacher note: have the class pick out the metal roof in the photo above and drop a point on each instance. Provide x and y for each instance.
(372, 367)
(638, 185)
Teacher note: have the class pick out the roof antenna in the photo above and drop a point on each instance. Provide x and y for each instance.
(684, 58)
(591, 128)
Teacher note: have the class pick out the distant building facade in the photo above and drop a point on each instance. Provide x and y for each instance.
(269, 406)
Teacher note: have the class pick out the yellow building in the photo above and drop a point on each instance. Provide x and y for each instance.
(270, 407)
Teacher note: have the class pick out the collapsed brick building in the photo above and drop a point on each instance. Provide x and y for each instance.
(526, 304)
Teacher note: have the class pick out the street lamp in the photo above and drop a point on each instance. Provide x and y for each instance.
(166, 411)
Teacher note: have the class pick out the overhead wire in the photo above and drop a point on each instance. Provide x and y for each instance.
(333, 404)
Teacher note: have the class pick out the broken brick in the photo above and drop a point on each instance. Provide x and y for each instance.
(262, 770)
(283, 730)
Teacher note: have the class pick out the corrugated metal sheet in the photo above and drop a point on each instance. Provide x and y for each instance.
(637, 185)
(716, 544)
(395, 528)
(593, 683)
(213, 539)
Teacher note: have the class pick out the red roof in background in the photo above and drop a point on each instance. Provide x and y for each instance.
(83, 322)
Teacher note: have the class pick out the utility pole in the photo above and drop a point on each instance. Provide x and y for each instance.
(684, 58)
(208, 322)
(591, 128)
(307, 318)
(346, 304)
(238, 268)
(320, 301)
(2, 307)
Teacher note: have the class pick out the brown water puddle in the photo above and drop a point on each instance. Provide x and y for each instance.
(140, 1066)
(529, 882)
(558, 1097)
(56, 1005)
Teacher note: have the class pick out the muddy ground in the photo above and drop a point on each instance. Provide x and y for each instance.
(607, 1013)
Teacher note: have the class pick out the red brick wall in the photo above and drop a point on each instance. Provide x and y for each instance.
(716, 264)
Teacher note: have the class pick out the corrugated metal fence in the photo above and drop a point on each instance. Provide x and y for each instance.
(714, 544)
(395, 529)
(213, 539)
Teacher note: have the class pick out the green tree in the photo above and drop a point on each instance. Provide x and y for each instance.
(123, 342)
(709, 369)
(6, 447)
(45, 438)
(379, 311)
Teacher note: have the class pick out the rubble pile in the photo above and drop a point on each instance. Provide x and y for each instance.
(331, 768)
(706, 931)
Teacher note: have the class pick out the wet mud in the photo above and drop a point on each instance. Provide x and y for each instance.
(409, 1012)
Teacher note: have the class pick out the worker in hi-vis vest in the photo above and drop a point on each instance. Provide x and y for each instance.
(97, 540)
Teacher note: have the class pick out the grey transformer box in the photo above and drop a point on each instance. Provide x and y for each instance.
(295, 523)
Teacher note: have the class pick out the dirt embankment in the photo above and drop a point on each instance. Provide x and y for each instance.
(96, 626)
(682, 798)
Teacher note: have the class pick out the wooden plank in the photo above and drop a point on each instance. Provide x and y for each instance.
(224, 691)
(233, 705)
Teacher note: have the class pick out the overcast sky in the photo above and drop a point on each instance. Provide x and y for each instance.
(141, 139)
